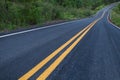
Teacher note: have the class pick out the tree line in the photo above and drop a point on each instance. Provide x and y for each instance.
(17, 13)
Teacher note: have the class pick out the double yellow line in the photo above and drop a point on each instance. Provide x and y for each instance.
(52, 67)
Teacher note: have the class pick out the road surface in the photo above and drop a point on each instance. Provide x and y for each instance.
(86, 49)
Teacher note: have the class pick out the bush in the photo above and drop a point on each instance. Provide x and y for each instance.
(15, 15)
(116, 15)
(21, 13)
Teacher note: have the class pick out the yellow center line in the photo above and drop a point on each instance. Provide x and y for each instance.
(47, 59)
(51, 68)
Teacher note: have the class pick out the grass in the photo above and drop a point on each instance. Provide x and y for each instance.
(115, 15)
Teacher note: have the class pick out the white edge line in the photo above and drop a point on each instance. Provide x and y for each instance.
(109, 18)
(25, 31)
(30, 30)
(21, 32)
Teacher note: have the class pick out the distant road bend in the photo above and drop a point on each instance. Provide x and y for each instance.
(87, 49)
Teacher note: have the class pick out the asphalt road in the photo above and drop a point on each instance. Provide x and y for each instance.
(86, 49)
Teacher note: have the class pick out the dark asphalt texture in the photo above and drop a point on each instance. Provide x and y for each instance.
(96, 56)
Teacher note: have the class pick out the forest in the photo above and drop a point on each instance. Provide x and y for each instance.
(17, 14)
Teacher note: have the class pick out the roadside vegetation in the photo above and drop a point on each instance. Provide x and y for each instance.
(115, 15)
(15, 14)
